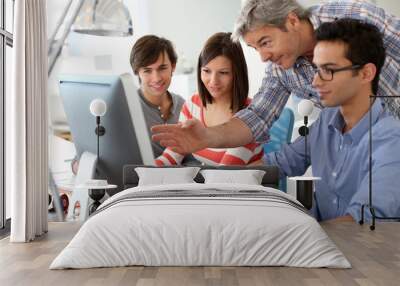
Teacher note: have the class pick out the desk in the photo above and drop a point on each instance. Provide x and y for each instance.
(374, 255)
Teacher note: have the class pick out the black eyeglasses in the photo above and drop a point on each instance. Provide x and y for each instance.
(326, 74)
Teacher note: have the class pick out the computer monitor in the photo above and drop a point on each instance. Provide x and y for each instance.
(126, 139)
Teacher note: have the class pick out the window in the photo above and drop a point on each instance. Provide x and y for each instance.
(6, 43)
(9, 12)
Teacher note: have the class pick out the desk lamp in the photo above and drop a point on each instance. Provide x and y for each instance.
(305, 108)
(98, 108)
(304, 185)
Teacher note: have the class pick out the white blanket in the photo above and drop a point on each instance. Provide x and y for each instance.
(183, 230)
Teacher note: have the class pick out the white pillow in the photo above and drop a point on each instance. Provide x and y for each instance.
(248, 177)
(165, 176)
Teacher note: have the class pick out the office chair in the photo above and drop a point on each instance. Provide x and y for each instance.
(280, 133)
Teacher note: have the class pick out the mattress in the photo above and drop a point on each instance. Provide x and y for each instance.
(201, 225)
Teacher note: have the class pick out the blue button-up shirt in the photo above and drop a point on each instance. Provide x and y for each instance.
(278, 83)
(342, 162)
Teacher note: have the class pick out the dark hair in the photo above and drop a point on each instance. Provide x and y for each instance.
(147, 49)
(221, 44)
(364, 43)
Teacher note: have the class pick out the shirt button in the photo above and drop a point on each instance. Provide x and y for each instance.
(334, 201)
(334, 174)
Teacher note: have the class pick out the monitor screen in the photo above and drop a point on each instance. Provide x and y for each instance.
(126, 139)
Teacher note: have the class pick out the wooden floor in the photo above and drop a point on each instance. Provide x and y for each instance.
(375, 257)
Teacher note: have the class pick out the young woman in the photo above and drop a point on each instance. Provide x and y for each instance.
(222, 91)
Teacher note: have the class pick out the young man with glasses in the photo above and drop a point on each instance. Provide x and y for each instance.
(348, 58)
(283, 33)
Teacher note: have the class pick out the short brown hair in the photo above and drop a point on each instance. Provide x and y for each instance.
(147, 49)
(221, 44)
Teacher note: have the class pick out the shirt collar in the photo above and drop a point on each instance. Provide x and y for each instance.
(176, 108)
(336, 121)
(358, 131)
(174, 101)
(315, 22)
(302, 61)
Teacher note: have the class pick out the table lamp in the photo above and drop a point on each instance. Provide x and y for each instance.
(304, 185)
(98, 108)
(305, 108)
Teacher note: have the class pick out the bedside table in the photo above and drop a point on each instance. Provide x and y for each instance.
(96, 193)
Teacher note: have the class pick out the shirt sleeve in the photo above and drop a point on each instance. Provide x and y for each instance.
(266, 105)
(385, 191)
(243, 155)
(291, 159)
(169, 157)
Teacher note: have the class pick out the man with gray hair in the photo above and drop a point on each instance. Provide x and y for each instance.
(283, 33)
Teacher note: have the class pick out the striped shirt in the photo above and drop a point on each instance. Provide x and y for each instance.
(278, 83)
(193, 109)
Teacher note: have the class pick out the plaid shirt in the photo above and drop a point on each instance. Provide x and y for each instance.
(278, 83)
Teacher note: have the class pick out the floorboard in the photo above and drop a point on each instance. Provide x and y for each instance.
(374, 255)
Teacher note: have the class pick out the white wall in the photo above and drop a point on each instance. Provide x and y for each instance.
(187, 23)
(190, 22)
(391, 6)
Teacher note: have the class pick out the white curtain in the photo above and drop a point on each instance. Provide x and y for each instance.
(26, 119)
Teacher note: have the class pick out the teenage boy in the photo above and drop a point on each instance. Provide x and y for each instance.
(153, 60)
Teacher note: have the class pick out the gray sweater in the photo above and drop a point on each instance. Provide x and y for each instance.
(153, 116)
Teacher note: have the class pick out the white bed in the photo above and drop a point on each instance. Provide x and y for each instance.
(203, 225)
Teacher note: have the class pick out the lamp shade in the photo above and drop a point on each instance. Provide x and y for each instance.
(305, 107)
(98, 107)
(104, 18)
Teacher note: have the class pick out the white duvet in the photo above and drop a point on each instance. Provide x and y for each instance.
(183, 231)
